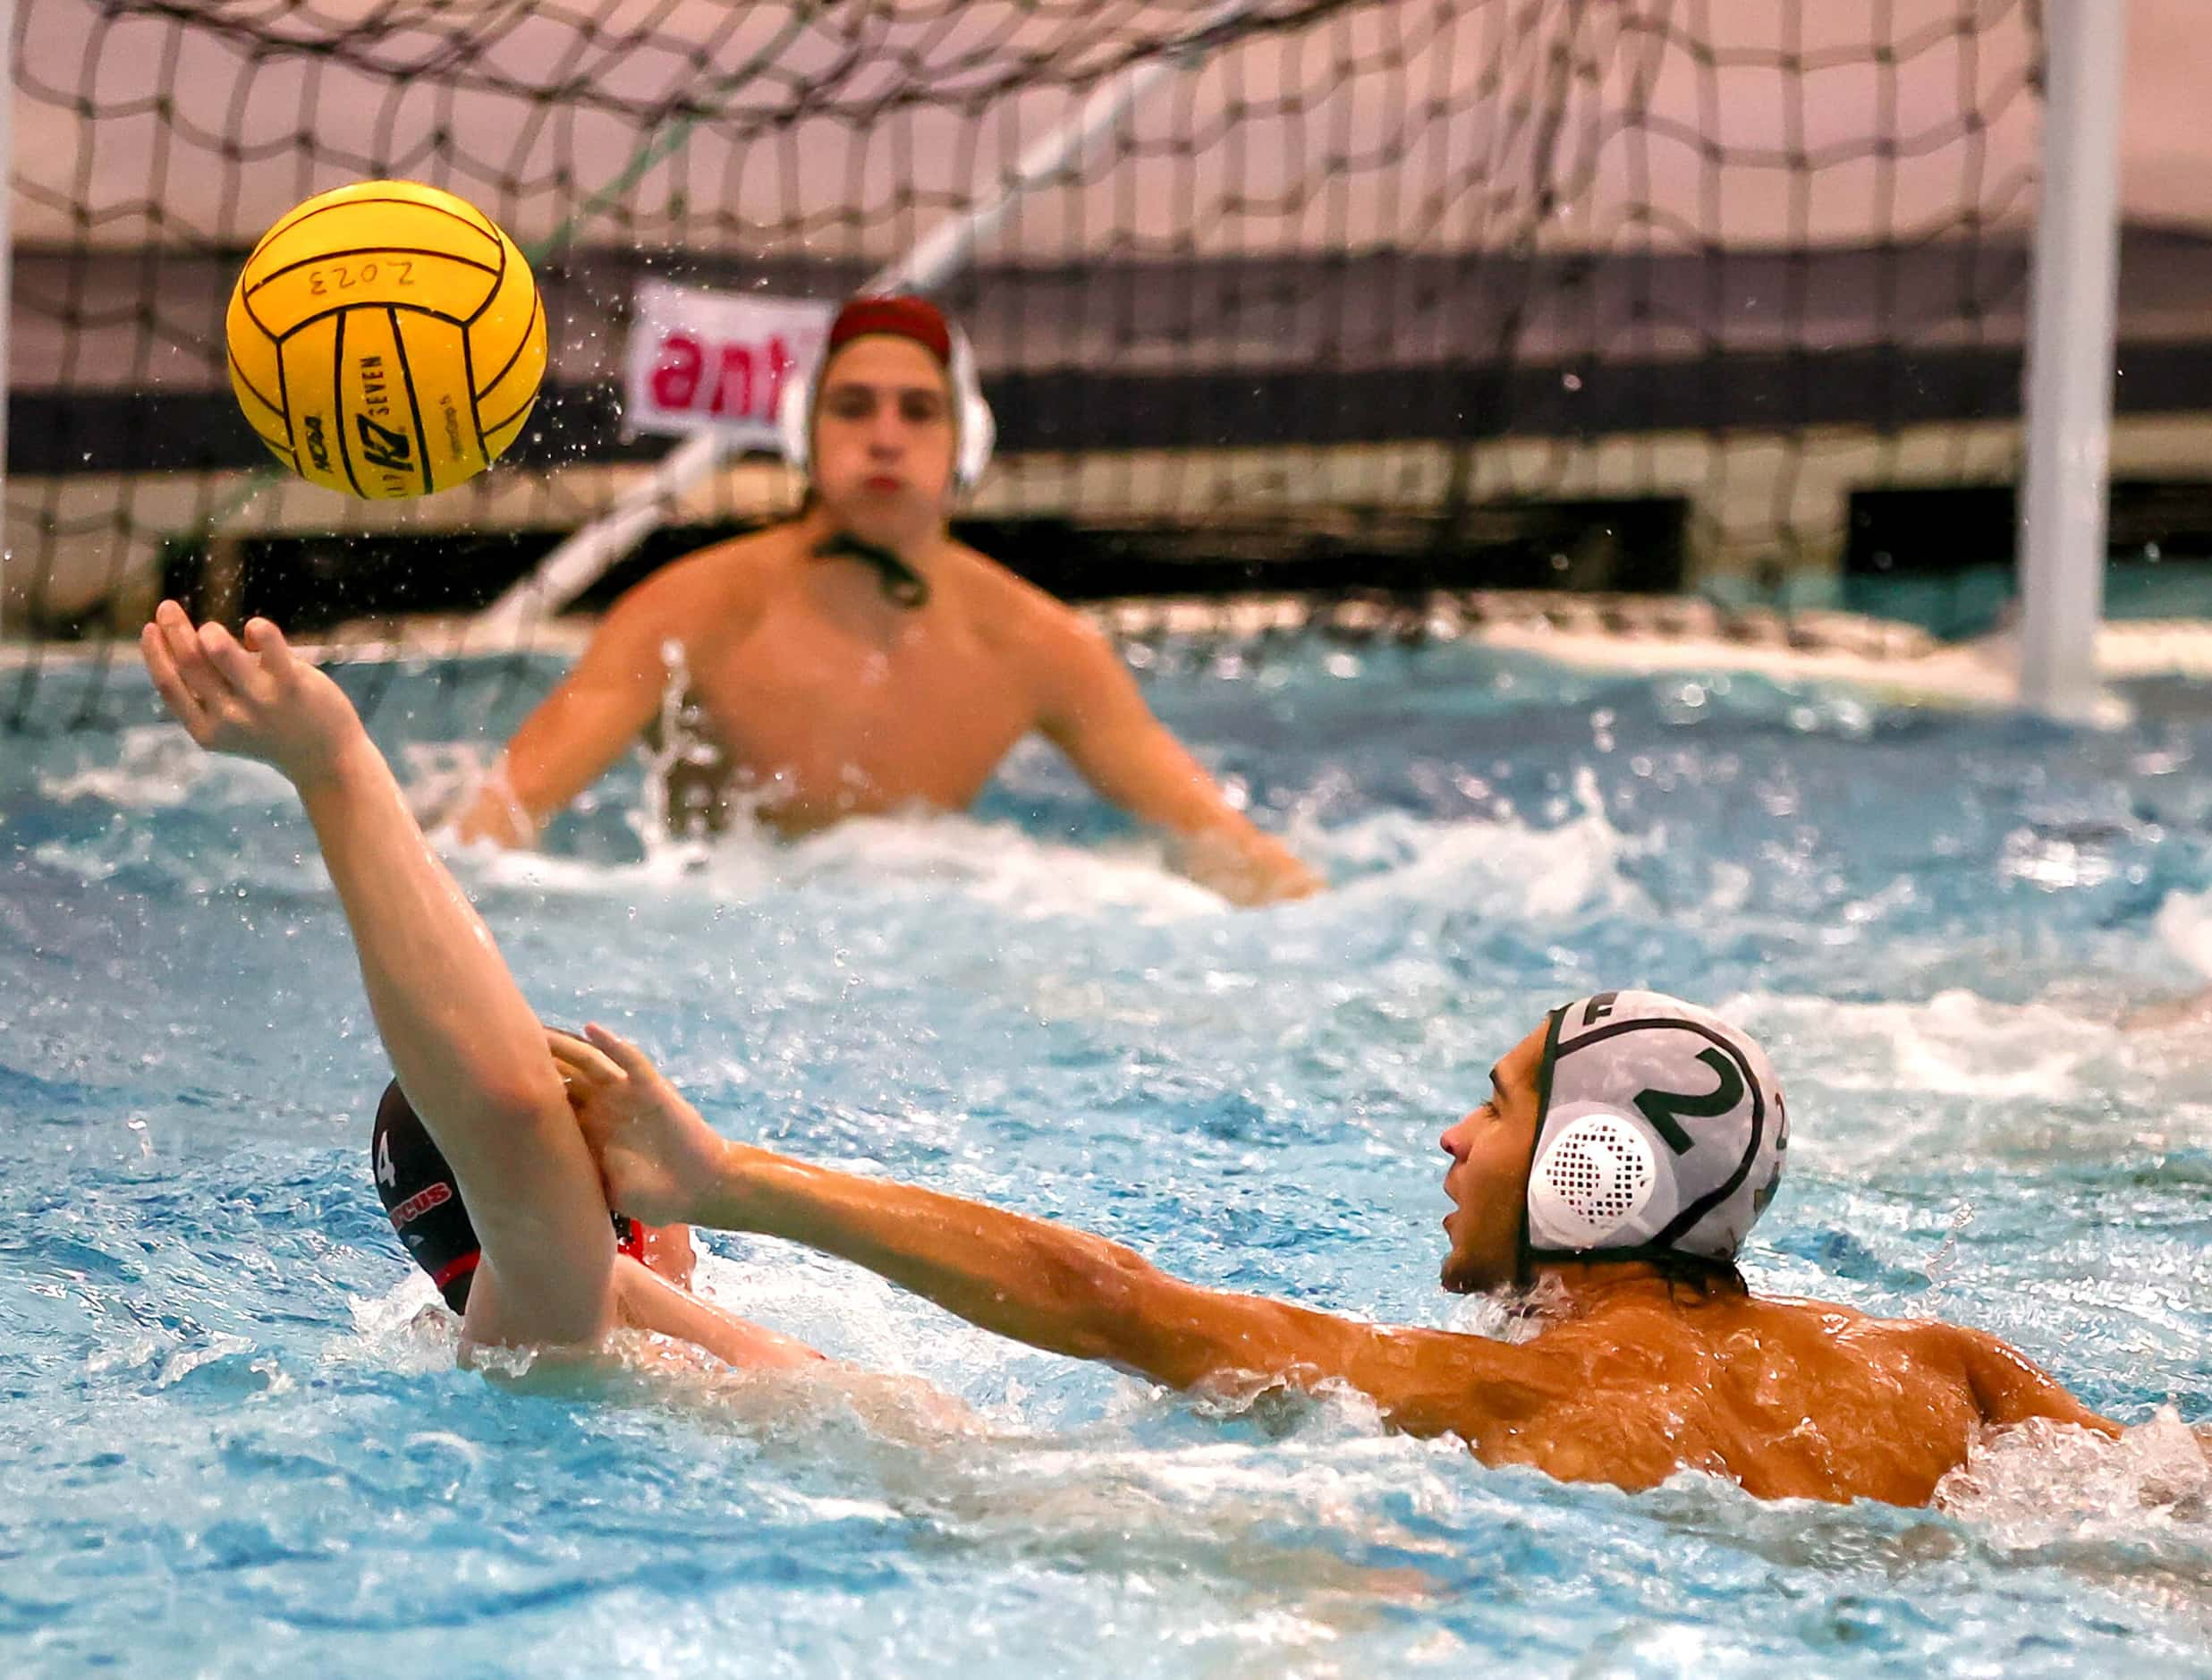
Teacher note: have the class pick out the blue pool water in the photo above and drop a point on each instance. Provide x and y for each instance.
(232, 1444)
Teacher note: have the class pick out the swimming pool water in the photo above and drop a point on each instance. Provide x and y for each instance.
(234, 1445)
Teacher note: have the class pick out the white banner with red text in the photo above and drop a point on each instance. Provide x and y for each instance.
(718, 360)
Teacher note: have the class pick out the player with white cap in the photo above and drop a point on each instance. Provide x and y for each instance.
(1635, 1157)
(1627, 1146)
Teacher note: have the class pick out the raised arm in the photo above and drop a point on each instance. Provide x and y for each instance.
(597, 709)
(469, 1052)
(1066, 1292)
(1092, 711)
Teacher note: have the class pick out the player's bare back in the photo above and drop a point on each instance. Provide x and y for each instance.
(1792, 1399)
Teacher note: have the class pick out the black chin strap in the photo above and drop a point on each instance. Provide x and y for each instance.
(900, 580)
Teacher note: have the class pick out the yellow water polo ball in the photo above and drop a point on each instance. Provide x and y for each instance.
(386, 340)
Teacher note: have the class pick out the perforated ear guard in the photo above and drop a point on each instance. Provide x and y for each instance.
(975, 431)
(1593, 1178)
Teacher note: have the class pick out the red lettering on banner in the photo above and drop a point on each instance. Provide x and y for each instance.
(737, 380)
(780, 366)
(737, 364)
(675, 379)
(757, 376)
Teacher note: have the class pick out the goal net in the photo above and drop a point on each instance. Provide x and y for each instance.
(1602, 294)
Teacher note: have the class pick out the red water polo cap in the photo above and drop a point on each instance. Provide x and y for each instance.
(904, 316)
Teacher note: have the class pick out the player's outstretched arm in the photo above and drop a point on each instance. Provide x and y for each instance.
(1094, 713)
(469, 1052)
(567, 744)
(1066, 1292)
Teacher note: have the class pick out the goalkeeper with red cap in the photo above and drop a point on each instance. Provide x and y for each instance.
(860, 659)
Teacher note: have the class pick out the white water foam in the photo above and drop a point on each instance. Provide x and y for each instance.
(2044, 1081)
(1956, 1043)
(442, 778)
(407, 1329)
(899, 857)
(2183, 925)
(1504, 868)
(1504, 871)
(158, 766)
(2043, 1482)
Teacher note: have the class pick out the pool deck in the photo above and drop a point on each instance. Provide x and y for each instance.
(1622, 634)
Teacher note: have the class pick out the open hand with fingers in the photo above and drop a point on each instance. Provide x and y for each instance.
(658, 1157)
(258, 698)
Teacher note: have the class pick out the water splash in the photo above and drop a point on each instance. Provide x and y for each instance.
(158, 767)
(2183, 925)
(662, 826)
(1505, 869)
(1952, 1044)
(2043, 1482)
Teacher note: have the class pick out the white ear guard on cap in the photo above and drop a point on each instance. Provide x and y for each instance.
(975, 434)
(1592, 1180)
(1661, 1131)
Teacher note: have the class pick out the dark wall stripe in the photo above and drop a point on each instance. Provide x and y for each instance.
(119, 431)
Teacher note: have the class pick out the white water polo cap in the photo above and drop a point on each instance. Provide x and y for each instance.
(1660, 1131)
(975, 434)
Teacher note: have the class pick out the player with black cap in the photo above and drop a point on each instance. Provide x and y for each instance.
(476, 1150)
(422, 1200)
